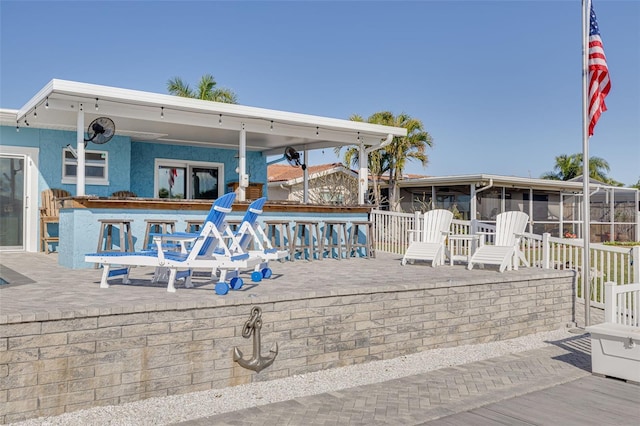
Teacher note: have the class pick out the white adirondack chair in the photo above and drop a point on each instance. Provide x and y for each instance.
(431, 245)
(505, 251)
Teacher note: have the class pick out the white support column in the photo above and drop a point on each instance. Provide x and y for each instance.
(612, 213)
(473, 202)
(363, 174)
(305, 178)
(80, 173)
(243, 179)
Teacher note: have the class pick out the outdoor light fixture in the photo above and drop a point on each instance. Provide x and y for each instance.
(26, 123)
(81, 107)
(162, 112)
(46, 104)
(35, 113)
(317, 131)
(220, 120)
(97, 104)
(17, 126)
(271, 126)
(358, 136)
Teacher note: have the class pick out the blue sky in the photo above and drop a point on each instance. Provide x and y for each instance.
(496, 83)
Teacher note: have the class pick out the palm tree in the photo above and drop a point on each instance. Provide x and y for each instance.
(394, 156)
(570, 166)
(377, 162)
(206, 90)
(402, 149)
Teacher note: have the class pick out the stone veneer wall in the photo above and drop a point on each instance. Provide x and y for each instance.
(51, 367)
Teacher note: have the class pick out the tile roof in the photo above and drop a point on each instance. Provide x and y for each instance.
(285, 172)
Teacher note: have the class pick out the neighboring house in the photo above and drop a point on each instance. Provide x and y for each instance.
(327, 184)
(553, 206)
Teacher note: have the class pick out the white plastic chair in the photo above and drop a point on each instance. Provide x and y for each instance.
(505, 251)
(431, 246)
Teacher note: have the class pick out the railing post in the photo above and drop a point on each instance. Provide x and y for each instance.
(635, 261)
(609, 302)
(546, 250)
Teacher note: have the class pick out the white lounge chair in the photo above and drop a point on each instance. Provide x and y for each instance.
(505, 251)
(251, 238)
(431, 245)
(208, 251)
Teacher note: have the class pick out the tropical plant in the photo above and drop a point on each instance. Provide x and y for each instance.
(377, 163)
(206, 90)
(636, 185)
(568, 167)
(393, 158)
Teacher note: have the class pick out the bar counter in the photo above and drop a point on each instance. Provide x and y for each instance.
(80, 217)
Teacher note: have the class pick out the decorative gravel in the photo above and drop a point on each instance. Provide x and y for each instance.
(172, 409)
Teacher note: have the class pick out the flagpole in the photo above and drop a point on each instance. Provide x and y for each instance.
(586, 202)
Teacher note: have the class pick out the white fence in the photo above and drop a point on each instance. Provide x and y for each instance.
(608, 263)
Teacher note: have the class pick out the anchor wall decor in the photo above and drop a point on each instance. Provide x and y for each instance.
(257, 362)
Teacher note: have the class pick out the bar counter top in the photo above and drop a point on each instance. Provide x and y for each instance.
(134, 203)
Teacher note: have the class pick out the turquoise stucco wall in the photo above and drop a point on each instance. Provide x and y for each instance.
(130, 163)
(51, 144)
(144, 155)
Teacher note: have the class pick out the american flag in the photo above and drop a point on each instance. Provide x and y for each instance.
(173, 173)
(599, 84)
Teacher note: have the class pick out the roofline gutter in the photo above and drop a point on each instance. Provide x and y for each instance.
(384, 143)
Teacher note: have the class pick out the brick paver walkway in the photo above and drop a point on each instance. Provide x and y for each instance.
(417, 399)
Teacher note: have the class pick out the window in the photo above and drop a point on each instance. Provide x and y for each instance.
(332, 196)
(188, 179)
(95, 168)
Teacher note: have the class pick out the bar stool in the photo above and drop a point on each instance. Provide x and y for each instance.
(234, 225)
(303, 241)
(279, 233)
(367, 241)
(193, 225)
(157, 226)
(340, 240)
(105, 240)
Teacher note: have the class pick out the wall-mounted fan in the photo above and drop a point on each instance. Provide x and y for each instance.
(101, 130)
(293, 157)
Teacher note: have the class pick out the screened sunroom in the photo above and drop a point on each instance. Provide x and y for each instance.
(554, 207)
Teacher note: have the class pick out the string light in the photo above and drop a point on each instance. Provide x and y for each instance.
(162, 112)
(97, 104)
(26, 123)
(46, 104)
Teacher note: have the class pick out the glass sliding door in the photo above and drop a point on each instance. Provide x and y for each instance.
(12, 202)
(204, 183)
(188, 179)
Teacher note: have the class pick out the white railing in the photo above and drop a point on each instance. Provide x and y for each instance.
(608, 263)
(391, 230)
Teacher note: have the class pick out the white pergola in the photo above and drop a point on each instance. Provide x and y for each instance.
(161, 118)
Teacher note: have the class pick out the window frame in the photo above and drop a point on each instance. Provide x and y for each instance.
(188, 165)
(90, 180)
